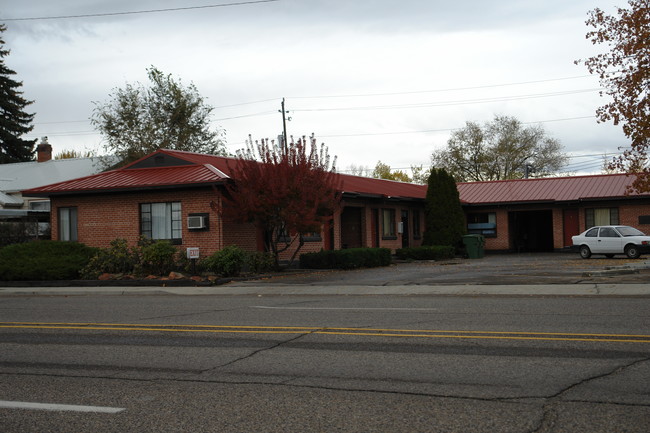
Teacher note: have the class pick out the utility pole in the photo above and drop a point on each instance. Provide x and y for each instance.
(284, 129)
(528, 169)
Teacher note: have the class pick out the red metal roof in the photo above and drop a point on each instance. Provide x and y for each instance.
(205, 169)
(133, 179)
(188, 168)
(547, 189)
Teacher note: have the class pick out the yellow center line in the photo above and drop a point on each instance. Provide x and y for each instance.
(372, 332)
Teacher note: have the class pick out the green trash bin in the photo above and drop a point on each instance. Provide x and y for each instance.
(475, 246)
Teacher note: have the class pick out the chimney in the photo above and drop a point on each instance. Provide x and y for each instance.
(43, 151)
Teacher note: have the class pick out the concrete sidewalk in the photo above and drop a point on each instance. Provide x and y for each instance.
(253, 289)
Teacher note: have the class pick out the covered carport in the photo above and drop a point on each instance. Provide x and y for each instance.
(531, 230)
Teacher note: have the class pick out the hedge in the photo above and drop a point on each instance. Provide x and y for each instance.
(434, 252)
(44, 260)
(346, 259)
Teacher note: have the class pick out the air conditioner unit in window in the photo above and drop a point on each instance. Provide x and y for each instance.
(196, 222)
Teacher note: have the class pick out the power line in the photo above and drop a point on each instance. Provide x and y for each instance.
(247, 103)
(439, 90)
(420, 131)
(264, 113)
(363, 134)
(148, 11)
(449, 103)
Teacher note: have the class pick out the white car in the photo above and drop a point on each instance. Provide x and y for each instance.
(611, 240)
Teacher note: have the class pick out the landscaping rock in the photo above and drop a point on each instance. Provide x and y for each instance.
(176, 276)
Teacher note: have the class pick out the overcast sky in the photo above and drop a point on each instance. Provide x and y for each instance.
(373, 79)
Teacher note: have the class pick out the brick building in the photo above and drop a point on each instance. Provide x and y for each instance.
(535, 215)
(179, 196)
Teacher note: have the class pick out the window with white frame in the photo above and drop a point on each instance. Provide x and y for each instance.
(67, 224)
(161, 221)
(601, 216)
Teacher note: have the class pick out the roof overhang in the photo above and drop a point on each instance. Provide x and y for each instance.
(123, 190)
(382, 197)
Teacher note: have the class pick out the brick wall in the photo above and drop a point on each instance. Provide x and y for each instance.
(103, 218)
(558, 228)
(368, 234)
(629, 212)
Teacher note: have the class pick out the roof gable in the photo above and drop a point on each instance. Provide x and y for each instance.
(158, 159)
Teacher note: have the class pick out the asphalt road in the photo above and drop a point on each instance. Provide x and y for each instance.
(314, 363)
(499, 269)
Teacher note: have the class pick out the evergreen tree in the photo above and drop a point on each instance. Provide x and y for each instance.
(14, 121)
(445, 220)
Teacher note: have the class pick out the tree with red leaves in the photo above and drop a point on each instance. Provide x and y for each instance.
(287, 190)
(624, 72)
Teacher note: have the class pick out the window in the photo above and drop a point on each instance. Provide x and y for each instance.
(482, 223)
(161, 221)
(68, 224)
(312, 237)
(417, 234)
(601, 216)
(42, 205)
(593, 233)
(283, 234)
(608, 232)
(388, 224)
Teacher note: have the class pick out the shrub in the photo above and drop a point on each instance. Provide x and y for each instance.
(346, 259)
(434, 252)
(116, 259)
(259, 262)
(227, 262)
(158, 257)
(190, 266)
(147, 256)
(44, 260)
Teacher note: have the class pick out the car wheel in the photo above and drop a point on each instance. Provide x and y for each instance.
(585, 252)
(609, 256)
(632, 252)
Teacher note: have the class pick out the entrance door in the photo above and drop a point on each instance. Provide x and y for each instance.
(571, 225)
(351, 227)
(405, 229)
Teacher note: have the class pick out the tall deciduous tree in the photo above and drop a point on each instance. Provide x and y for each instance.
(445, 220)
(500, 149)
(624, 71)
(138, 120)
(14, 121)
(287, 190)
(383, 171)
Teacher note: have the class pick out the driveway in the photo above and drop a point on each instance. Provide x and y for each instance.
(495, 269)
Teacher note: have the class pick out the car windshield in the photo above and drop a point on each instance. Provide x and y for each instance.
(629, 231)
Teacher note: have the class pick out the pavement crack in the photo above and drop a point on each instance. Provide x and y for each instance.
(615, 371)
(549, 416)
(170, 316)
(264, 349)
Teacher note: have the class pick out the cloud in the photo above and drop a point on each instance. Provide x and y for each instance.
(299, 48)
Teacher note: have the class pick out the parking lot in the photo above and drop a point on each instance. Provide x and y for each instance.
(530, 268)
